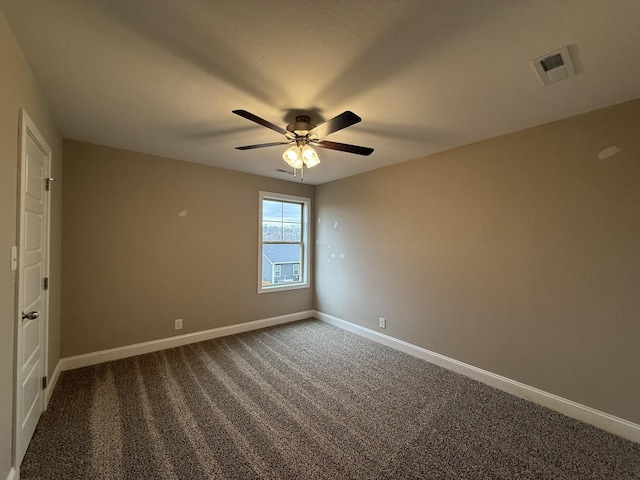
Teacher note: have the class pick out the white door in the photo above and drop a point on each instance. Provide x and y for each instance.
(32, 296)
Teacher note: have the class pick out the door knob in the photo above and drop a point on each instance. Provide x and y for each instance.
(30, 315)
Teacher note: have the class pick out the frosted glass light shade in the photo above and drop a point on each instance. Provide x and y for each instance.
(292, 157)
(309, 156)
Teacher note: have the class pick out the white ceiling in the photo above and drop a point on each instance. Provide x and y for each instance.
(162, 76)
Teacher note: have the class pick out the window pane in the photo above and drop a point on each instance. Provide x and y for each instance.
(279, 263)
(271, 232)
(272, 210)
(292, 232)
(292, 212)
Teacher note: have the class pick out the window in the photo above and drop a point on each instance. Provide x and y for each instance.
(283, 242)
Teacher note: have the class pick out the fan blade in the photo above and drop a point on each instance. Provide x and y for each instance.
(260, 145)
(261, 121)
(344, 120)
(344, 147)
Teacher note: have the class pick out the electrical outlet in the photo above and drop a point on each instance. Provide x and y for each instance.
(382, 322)
(178, 323)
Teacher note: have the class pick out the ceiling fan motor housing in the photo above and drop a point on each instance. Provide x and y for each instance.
(301, 126)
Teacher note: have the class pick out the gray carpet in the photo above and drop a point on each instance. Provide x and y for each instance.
(305, 401)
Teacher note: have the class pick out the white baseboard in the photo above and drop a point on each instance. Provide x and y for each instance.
(12, 474)
(605, 421)
(93, 358)
(51, 384)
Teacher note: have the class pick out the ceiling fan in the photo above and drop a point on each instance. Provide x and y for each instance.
(303, 135)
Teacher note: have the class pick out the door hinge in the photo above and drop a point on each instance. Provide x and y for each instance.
(44, 382)
(48, 183)
(46, 283)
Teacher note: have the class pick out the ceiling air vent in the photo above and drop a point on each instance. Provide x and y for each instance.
(554, 66)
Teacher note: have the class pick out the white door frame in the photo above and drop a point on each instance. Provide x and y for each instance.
(28, 128)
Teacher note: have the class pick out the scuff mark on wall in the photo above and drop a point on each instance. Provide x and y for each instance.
(183, 213)
(333, 253)
(608, 152)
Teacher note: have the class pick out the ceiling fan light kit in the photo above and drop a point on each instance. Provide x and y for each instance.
(302, 136)
(296, 156)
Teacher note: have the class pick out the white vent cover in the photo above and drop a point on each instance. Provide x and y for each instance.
(554, 66)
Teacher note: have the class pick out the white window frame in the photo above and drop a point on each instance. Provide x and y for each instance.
(294, 270)
(277, 270)
(305, 264)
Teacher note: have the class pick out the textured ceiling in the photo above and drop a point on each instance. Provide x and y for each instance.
(162, 76)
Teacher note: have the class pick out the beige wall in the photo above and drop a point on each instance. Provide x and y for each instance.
(132, 265)
(18, 90)
(519, 255)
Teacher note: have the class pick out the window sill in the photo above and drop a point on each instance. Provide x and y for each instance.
(281, 288)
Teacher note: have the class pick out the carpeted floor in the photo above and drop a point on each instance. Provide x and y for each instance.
(305, 401)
